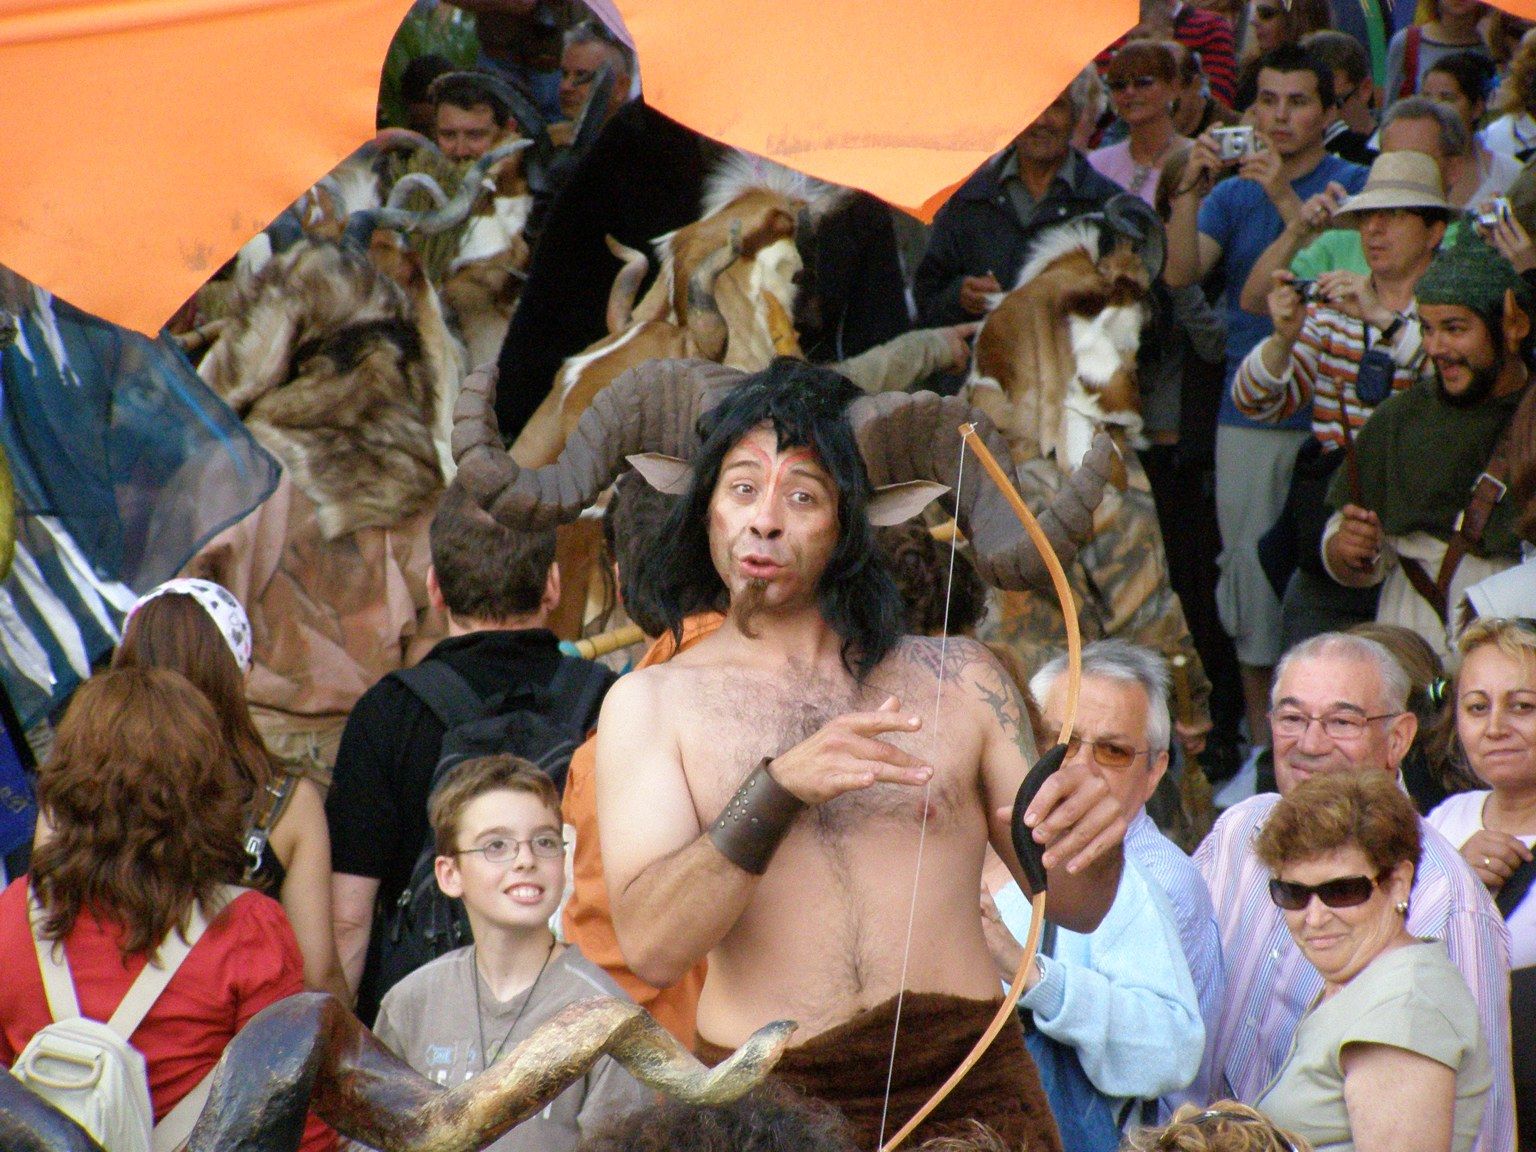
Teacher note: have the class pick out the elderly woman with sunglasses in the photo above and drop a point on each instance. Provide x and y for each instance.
(1390, 1058)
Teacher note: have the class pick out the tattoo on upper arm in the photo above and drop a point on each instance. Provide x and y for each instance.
(963, 660)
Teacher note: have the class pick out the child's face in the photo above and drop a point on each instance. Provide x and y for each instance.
(522, 891)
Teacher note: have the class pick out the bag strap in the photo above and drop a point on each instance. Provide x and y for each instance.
(152, 981)
(1410, 81)
(449, 696)
(58, 983)
(176, 1125)
(1487, 490)
(276, 796)
(1515, 888)
(592, 677)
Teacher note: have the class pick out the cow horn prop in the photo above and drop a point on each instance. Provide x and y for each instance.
(916, 436)
(309, 1052)
(654, 407)
(455, 211)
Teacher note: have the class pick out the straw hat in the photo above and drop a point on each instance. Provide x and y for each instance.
(1400, 180)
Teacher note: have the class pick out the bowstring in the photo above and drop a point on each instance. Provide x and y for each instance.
(922, 831)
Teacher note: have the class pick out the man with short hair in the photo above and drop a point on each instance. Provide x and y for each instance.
(470, 115)
(1230, 225)
(1153, 967)
(1354, 93)
(498, 588)
(588, 50)
(1425, 516)
(981, 235)
(1340, 705)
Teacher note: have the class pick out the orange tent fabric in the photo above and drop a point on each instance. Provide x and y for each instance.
(902, 98)
(147, 140)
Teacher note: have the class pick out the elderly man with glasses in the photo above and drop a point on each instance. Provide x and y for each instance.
(1339, 704)
(1133, 998)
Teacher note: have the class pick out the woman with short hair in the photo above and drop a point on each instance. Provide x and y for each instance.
(1391, 1057)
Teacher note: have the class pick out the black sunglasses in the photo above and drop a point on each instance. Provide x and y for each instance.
(1131, 82)
(1345, 892)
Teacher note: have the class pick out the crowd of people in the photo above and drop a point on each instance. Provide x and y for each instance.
(347, 751)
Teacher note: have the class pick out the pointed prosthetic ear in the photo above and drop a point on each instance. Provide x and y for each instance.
(666, 474)
(898, 503)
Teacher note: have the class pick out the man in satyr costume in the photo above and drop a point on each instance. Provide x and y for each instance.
(766, 796)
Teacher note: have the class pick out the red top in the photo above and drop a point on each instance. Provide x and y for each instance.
(248, 958)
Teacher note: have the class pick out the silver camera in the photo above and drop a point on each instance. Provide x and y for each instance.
(1235, 142)
(1498, 212)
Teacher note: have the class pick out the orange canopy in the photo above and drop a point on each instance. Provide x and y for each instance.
(147, 140)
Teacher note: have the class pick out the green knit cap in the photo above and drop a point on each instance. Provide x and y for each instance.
(1473, 274)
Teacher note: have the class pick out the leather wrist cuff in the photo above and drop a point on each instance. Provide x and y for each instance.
(755, 821)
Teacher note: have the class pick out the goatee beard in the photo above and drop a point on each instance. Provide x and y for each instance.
(1484, 380)
(745, 608)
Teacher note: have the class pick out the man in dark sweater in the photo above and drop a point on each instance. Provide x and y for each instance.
(498, 588)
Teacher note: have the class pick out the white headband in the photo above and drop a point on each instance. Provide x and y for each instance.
(220, 604)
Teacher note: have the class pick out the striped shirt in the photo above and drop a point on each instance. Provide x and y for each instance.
(1270, 984)
(1324, 363)
(1165, 865)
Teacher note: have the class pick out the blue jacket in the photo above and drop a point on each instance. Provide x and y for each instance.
(979, 231)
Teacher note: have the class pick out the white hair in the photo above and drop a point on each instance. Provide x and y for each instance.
(1395, 682)
(1129, 663)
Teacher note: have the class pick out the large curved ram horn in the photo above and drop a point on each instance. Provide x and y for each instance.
(308, 1051)
(28, 1123)
(455, 211)
(653, 407)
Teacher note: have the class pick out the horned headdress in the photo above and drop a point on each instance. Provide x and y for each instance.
(656, 407)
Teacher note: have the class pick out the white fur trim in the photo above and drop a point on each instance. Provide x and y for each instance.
(1057, 242)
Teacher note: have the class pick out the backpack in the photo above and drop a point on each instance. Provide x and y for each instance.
(543, 726)
(89, 1070)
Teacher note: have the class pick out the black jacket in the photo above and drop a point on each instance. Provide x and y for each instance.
(978, 231)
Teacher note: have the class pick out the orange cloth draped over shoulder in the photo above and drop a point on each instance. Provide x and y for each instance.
(588, 919)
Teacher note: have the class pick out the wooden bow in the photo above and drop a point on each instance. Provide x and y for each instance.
(1031, 785)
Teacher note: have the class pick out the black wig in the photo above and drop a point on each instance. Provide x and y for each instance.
(807, 407)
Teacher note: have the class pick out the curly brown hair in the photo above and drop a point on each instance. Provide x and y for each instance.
(174, 631)
(1225, 1126)
(1365, 810)
(143, 811)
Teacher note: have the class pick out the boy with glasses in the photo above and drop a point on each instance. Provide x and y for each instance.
(496, 821)
(1339, 704)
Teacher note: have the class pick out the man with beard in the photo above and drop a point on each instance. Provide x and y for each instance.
(1427, 516)
(763, 795)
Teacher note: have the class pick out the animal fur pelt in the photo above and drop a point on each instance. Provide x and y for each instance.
(1056, 357)
(336, 371)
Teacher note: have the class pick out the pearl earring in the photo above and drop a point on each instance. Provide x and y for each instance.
(1402, 907)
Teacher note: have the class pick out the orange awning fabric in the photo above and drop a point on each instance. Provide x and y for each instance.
(147, 140)
(902, 98)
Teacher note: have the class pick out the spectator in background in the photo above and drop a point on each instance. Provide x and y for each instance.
(1428, 765)
(1514, 132)
(1339, 706)
(1141, 82)
(1274, 24)
(1463, 81)
(144, 821)
(1349, 136)
(1390, 1055)
(415, 81)
(980, 236)
(520, 42)
(1228, 226)
(1414, 50)
(1226, 1126)
(590, 47)
(1195, 108)
(200, 630)
(469, 114)
(1198, 28)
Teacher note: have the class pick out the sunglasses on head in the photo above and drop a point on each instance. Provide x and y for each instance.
(1345, 892)
(1130, 82)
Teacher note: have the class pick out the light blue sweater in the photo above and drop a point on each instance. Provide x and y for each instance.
(1121, 996)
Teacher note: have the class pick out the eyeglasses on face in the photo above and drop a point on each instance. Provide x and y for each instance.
(501, 849)
(1345, 892)
(1137, 82)
(1292, 723)
(578, 77)
(1106, 753)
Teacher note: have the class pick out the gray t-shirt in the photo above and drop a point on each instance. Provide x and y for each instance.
(428, 1020)
(1413, 998)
